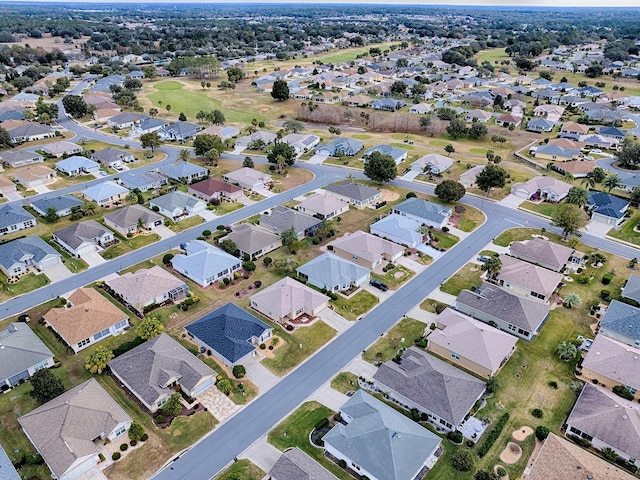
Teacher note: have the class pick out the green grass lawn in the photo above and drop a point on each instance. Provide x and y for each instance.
(352, 162)
(27, 283)
(295, 430)
(226, 207)
(626, 232)
(400, 336)
(545, 209)
(345, 382)
(444, 239)
(465, 278)
(430, 305)
(241, 470)
(395, 277)
(354, 307)
(74, 265)
(127, 245)
(519, 234)
(187, 223)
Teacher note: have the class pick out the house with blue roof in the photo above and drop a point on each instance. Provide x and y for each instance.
(148, 125)
(424, 212)
(612, 132)
(184, 172)
(540, 125)
(143, 181)
(179, 131)
(14, 218)
(21, 254)
(340, 146)
(62, 205)
(105, 193)
(607, 208)
(333, 273)
(230, 333)
(631, 289)
(398, 154)
(205, 264)
(621, 322)
(399, 229)
(77, 165)
(6, 467)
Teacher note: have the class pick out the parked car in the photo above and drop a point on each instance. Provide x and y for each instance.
(596, 150)
(378, 284)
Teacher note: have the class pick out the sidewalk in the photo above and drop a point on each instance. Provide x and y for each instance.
(329, 397)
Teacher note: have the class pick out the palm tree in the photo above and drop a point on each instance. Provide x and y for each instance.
(492, 266)
(89, 207)
(566, 351)
(140, 224)
(569, 178)
(612, 181)
(589, 181)
(131, 198)
(184, 154)
(572, 300)
(577, 196)
(598, 259)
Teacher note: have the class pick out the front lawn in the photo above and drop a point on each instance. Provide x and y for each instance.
(627, 232)
(345, 382)
(545, 209)
(186, 223)
(519, 234)
(444, 239)
(126, 245)
(400, 336)
(225, 207)
(464, 279)
(74, 264)
(241, 470)
(27, 283)
(430, 305)
(394, 277)
(353, 308)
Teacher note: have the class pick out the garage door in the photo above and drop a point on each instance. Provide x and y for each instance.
(203, 387)
(49, 261)
(83, 250)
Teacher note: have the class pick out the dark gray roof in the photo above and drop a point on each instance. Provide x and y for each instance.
(13, 156)
(126, 117)
(347, 146)
(20, 349)
(623, 319)
(7, 471)
(632, 288)
(228, 330)
(356, 191)
(12, 214)
(607, 204)
(133, 180)
(30, 130)
(180, 170)
(251, 238)
(382, 441)
(59, 203)
(148, 367)
(498, 303)
(77, 233)
(282, 218)
(433, 384)
(16, 250)
(129, 216)
(423, 209)
(294, 464)
(110, 154)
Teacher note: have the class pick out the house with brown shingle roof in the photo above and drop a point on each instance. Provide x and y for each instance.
(547, 254)
(34, 175)
(64, 430)
(294, 464)
(526, 279)
(287, 300)
(86, 319)
(366, 250)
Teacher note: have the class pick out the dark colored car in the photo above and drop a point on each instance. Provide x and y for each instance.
(379, 285)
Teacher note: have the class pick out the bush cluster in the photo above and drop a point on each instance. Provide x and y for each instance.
(116, 456)
(536, 412)
(493, 435)
(606, 278)
(123, 447)
(323, 422)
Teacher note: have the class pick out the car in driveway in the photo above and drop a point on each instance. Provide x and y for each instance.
(378, 284)
(596, 150)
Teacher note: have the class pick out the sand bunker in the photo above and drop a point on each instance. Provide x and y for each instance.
(495, 470)
(264, 109)
(511, 454)
(522, 433)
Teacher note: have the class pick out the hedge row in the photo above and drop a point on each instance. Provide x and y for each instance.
(493, 435)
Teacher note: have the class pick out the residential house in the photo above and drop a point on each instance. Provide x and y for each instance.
(19, 158)
(421, 381)
(14, 218)
(87, 318)
(399, 229)
(563, 460)
(607, 421)
(125, 120)
(62, 205)
(508, 120)
(205, 264)
(178, 131)
(22, 354)
(301, 142)
(471, 344)
(631, 289)
(9, 472)
(282, 218)
(607, 208)
(356, 194)
(133, 219)
(212, 188)
(113, 157)
(230, 333)
(147, 287)
(287, 300)
(541, 188)
(323, 206)
(621, 322)
(7, 187)
(143, 181)
(30, 132)
(421, 108)
(379, 442)
(540, 125)
(184, 172)
(177, 205)
(599, 141)
(260, 136)
(34, 175)
(65, 430)
(253, 240)
(468, 178)
(358, 101)
(106, 193)
(366, 250)
(340, 146)
(547, 254)
(333, 273)
(248, 178)
(77, 165)
(577, 168)
(427, 213)
(611, 363)
(84, 237)
(573, 130)
(552, 113)
(399, 155)
(477, 116)
(511, 313)
(223, 132)
(555, 153)
(293, 464)
(527, 279)
(612, 132)
(148, 125)
(388, 104)
(154, 370)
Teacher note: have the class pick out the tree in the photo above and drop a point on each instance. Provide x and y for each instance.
(293, 126)
(168, 108)
(572, 300)
(205, 142)
(598, 258)
(75, 106)
(184, 154)
(52, 215)
(450, 191)
(425, 122)
(280, 90)
(334, 130)
(570, 218)
(288, 238)
(598, 174)
(398, 88)
(218, 117)
(477, 130)
(629, 155)
(136, 431)
(577, 196)
(463, 460)
(150, 327)
(151, 140)
(612, 181)
(492, 266)
(97, 361)
(248, 162)
(594, 70)
(566, 351)
(211, 157)
(380, 168)
(166, 259)
(449, 149)
(235, 74)
(173, 406)
(225, 386)
(635, 196)
(498, 102)
(542, 432)
(457, 128)
(131, 198)
(89, 207)
(239, 371)
(45, 386)
(5, 139)
(284, 150)
(182, 117)
(230, 247)
(490, 177)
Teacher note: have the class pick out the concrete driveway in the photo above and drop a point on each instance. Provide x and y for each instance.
(164, 231)
(598, 228)
(41, 189)
(335, 321)
(57, 273)
(512, 201)
(13, 196)
(93, 259)
(262, 454)
(263, 378)
(264, 192)
(217, 403)
(207, 215)
(317, 159)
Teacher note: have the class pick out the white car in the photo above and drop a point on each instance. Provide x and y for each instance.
(588, 157)
(596, 150)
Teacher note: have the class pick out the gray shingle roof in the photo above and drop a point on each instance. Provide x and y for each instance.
(331, 270)
(632, 288)
(228, 330)
(12, 214)
(147, 367)
(294, 464)
(11, 157)
(356, 191)
(59, 203)
(180, 170)
(251, 238)
(382, 441)
(76, 162)
(622, 319)
(33, 247)
(615, 360)
(394, 152)
(104, 190)
(20, 349)
(282, 218)
(141, 179)
(174, 200)
(542, 251)
(128, 217)
(423, 209)
(433, 384)
(77, 233)
(110, 154)
(347, 146)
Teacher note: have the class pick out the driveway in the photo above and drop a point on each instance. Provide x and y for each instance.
(335, 321)
(264, 192)
(207, 215)
(217, 403)
(93, 259)
(260, 375)
(239, 150)
(359, 367)
(13, 196)
(512, 201)
(317, 159)
(41, 189)
(93, 474)
(164, 231)
(329, 397)
(57, 273)
(410, 175)
(598, 229)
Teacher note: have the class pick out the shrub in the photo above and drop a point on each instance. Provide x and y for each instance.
(116, 456)
(315, 240)
(270, 347)
(501, 472)
(455, 436)
(323, 422)
(144, 437)
(206, 233)
(463, 460)
(123, 447)
(582, 279)
(553, 384)
(410, 195)
(262, 346)
(126, 346)
(34, 459)
(101, 457)
(536, 412)
(623, 392)
(239, 371)
(342, 463)
(605, 295)
(160, 419)
(493, 435)
(133, 443)
(606, 278)
(542, 432)
(267, 261)
(445, 229)
(136, 431)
